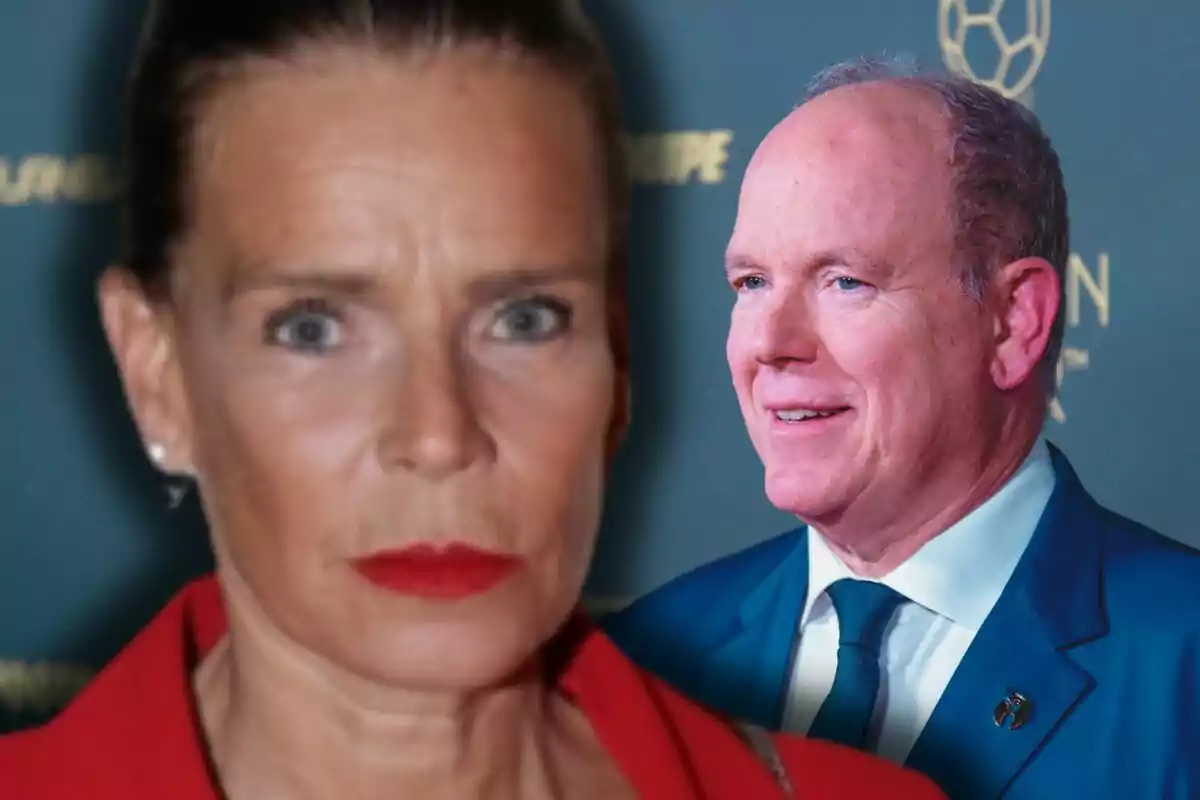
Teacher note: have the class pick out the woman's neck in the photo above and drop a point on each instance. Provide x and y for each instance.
(281, 721)
(280, 725)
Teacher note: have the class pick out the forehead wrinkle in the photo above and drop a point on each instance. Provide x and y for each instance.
(325, 174)
(396, 228)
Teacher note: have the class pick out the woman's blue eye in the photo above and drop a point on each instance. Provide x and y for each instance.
(751, 283)
(310, 326)
(534, 319)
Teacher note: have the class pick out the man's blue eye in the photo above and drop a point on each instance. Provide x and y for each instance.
(848, 284)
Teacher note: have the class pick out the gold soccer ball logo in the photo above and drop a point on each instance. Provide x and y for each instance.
(985, 42)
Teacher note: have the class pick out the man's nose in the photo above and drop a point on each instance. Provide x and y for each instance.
(783, 331)
(433, 428)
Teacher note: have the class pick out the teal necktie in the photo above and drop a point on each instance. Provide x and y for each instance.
(863, 610)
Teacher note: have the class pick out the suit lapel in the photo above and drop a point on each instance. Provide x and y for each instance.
(758, 651)
(1051, 604)
(962, 747)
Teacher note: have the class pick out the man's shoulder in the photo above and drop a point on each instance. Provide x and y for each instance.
(710, 585)
(671, 630)
(1148, 577)
(1145, 581)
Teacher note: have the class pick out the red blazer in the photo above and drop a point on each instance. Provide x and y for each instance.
(133, 733)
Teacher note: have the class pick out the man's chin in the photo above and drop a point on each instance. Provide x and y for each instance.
(805, 496)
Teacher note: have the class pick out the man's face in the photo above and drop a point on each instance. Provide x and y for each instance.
(860, 364)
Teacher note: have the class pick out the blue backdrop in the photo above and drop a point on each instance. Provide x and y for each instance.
(88, 547)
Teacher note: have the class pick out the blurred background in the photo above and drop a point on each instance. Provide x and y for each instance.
(90, 546)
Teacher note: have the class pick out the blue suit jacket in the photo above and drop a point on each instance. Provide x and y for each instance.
(1099, 627)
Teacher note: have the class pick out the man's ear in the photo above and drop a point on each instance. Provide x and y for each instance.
(140, 334)
(1026, 299)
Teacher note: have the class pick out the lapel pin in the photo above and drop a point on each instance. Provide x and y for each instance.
(1013, 711)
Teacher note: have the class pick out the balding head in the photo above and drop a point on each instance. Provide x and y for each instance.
(892, 108)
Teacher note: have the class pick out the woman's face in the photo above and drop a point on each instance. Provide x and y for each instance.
(389, 330)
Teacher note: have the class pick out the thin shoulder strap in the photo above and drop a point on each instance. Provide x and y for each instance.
(760, 742)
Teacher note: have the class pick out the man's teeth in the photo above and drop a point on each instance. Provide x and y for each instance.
(801, 414)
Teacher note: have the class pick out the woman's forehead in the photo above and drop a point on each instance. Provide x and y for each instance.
(380, 156)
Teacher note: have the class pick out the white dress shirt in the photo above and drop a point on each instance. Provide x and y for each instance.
(951, 585)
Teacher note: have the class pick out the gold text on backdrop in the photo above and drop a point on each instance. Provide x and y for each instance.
(88, 178)
(679, 157)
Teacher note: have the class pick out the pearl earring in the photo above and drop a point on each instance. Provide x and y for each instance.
(157, 453)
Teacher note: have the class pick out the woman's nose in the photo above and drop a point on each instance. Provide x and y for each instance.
(433, 427)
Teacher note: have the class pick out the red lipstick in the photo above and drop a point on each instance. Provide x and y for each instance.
(450, 572)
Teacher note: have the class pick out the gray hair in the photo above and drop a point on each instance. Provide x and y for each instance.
(1010, 201)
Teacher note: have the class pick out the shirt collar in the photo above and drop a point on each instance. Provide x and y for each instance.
(960, 573)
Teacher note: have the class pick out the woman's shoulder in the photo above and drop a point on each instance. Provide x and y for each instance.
(131, 730)
(669, 746)
(799, 767)
(844, 773)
